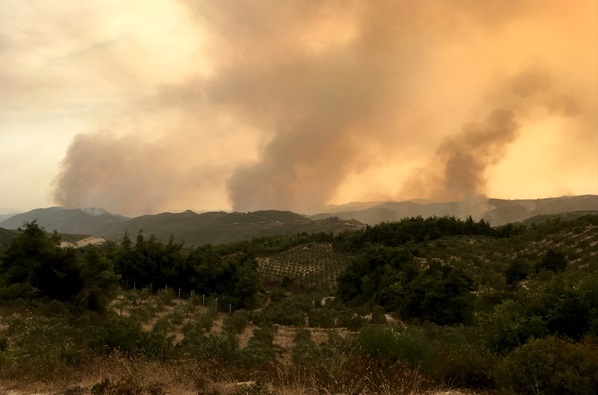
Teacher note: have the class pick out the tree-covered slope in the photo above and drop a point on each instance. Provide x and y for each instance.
(221, 227)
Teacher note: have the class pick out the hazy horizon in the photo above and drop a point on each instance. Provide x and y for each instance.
(167, 105)
(475, 207)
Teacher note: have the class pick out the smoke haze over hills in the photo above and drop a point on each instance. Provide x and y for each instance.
(296, 105)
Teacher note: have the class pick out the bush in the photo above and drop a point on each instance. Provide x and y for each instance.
(321, 318)
(550, 366)
(516, 271)
(509, 326)
(351, 321)
(553, 261)
(406, 345)
(221, 346)
(378, 316)
(236, 322)
(465, 365)
(260, 348)
(125, 335)
(441, 295)
(305, 349)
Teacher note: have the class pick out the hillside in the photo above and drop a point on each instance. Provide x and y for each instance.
(496, 211)
(6, 235)
(221, 227)
(75, 221)
(483, 258)
(192, 228)
(4, 217)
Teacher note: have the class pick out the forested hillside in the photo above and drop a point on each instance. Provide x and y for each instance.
(400, 307)
(188, 227)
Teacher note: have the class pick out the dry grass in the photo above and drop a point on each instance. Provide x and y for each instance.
(192, 377)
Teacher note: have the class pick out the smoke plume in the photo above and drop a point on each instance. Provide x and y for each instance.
(457, 171)
(295, 105)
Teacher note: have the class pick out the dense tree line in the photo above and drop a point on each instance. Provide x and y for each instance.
(418, 230)
(387, 272)
(204, 270)
(390, 277)
(34, 265)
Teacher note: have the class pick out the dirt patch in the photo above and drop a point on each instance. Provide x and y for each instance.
(83, 242)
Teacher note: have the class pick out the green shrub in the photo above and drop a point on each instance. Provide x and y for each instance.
(407, 345)
(120, 333)
(517, 270)
(465, 361)
(440, 294)
(351, 321)
(177, 317)
(321, 318)
(162, 326)
(39, 347)
(260, 347)
(550, 366)
(554, 261)
(236, 322)
(305, 350)
(466, 365)
(194, 338)
(165, 296)
(378, 316)
(204, 321)
(277, 294)
(509, 326)
(126, 335)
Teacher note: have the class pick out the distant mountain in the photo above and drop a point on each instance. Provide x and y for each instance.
(506, 211)
(497, 211)
(4, 217)
(76, 221)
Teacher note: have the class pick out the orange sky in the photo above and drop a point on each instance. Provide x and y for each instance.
(154, 105)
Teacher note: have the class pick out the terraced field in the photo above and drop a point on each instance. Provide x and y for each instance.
(314, 265)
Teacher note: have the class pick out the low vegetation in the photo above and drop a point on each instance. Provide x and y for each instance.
(415, 306)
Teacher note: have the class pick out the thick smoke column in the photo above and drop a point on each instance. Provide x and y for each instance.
(467, 156)
(299, 104)
(457, 171)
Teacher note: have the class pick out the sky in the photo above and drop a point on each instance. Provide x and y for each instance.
(147, 106)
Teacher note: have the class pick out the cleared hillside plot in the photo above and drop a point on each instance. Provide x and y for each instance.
(314, 265)
(485, 259)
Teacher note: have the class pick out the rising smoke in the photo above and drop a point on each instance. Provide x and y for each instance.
(457, 170)
(309, 102)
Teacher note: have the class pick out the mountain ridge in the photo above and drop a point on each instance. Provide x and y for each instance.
(220, 227)
(496, 211)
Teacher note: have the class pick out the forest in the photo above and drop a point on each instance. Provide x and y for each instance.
(413, 306)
